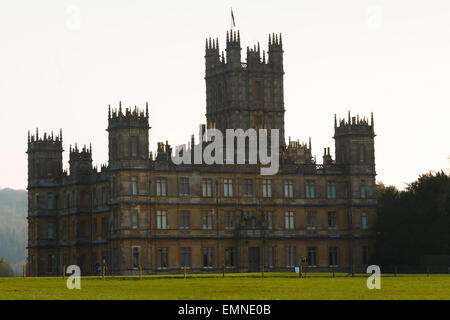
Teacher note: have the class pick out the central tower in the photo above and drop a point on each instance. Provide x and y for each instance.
(243, 95)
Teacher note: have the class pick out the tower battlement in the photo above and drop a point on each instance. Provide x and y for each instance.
(233, 39)
(212, 46)
(48, 141)
(216, 61)
(353, 125)
(275, 42)
(80, 161)
(130, 118)
(254, 55)
(84, 154)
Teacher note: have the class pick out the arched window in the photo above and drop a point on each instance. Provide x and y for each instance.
(257, 91)
(134, 147)
(244, 90)
(362, 153)
(114, 147)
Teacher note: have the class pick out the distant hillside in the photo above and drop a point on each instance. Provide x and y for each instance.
(13, 225)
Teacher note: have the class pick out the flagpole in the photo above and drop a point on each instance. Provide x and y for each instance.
(233, 22)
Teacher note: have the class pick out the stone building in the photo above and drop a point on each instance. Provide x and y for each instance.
(143, 211)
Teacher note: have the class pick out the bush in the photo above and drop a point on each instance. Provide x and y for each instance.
(5, 269)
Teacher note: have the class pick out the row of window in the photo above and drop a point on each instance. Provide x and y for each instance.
(291, 259)
(130, 150)
(162, 255)
(207, 219)
(258, 88)
(185, 222)
(248, 190)
(70, 198)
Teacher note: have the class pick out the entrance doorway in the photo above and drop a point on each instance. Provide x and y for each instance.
(253, 259)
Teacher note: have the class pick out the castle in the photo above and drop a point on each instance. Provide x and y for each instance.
(143, 213)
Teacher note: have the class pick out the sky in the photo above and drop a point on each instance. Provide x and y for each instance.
(63, 62)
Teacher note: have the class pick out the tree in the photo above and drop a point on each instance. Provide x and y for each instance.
(415, 222)
(5, 269)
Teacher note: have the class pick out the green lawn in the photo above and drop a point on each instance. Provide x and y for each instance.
(229, 288)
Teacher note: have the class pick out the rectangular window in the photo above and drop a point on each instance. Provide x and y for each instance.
(116, 218)
(67, 201)
(290, 257)
(207, 188)
(207, 220)
(267, 188)
(161, 220)
(134, 147)
(229, 220)
(331, 189)
(66, 228)
(364, 220)
(311, 220)
(136, 258)
(312, 256)
(162, 258)
(104, 196)
(161, 187)
(289, 220)
(104, 227)
(249, 219)
(207, 258)
(184, 187)
(333, 256)
(65, 260)
(268, 215)
(365, 255)
(248, 188)
(135, 222)
(114, 186)
(288, 189)
(50, 263)
(228, 187)
(332, 220)
(50, 231)
(229, 257)
(50, 201)
(310, 188)
(272, 256)
(94, 227)
(134, 186)
(185, 257)
(185, 217)
(363, 189)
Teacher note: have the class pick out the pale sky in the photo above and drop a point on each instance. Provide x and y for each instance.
(63, 62)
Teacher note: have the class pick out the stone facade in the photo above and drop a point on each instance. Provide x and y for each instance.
(143, 211)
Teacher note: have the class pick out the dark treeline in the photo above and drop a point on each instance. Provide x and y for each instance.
(414, 223)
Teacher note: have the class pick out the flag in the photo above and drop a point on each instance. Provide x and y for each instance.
(232, 18)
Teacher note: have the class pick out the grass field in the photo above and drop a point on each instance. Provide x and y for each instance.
(228, 288)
